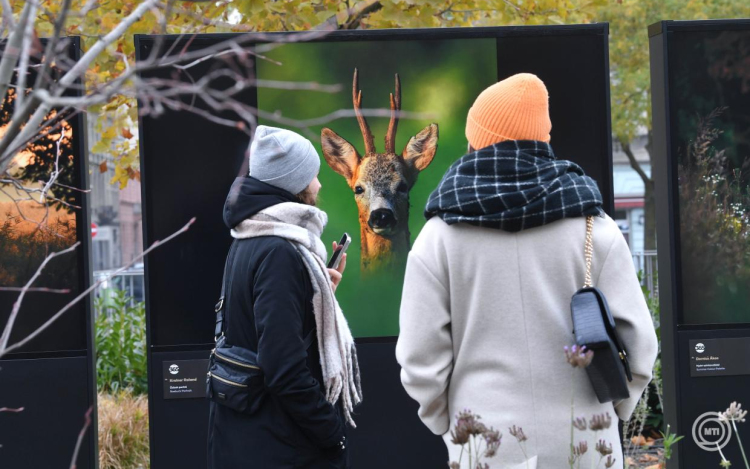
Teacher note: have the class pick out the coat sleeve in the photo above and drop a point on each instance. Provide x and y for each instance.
(425, 346)
(279, 306)
(619, 283)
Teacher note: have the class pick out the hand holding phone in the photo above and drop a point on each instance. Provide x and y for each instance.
(335, 266)
(338, 253)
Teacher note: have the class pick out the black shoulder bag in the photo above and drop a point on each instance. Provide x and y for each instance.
(234, 378)
(594, 328)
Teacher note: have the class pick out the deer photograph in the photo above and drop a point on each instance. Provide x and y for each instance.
(381, 181)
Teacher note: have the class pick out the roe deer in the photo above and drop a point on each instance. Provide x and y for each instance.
(381, 181)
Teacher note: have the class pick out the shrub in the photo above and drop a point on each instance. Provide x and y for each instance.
(120, 345)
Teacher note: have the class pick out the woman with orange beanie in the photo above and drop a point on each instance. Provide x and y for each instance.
(485, 313)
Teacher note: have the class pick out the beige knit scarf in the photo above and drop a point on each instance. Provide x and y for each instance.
(302, 225)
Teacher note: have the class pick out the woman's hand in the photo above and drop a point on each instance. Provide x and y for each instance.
(337, 274)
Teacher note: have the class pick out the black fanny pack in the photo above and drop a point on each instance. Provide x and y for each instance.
(594, 327)
(234, 378)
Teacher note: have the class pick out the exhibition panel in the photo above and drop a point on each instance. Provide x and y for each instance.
(54, 374)
(189, 162)
(701, 144)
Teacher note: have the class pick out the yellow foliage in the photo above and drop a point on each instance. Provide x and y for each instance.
(629, 54)
(109, 133)
(628, 39)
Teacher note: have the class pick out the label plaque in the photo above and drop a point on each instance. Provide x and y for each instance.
(720, 357)
(184, 379)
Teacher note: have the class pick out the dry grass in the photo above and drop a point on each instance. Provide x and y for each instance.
(123, 431)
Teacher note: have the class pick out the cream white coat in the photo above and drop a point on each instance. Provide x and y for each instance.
(484, 318)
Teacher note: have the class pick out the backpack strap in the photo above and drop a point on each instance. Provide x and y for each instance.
(220, 306)
(310, 338)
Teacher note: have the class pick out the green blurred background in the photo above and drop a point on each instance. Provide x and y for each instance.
(438, 77)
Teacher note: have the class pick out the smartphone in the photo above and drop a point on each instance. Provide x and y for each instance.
(339, 252)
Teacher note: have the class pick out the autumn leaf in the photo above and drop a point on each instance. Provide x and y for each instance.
(102, 146)
(109, 133)
(126, 133)
(640, 440)
(103, 167)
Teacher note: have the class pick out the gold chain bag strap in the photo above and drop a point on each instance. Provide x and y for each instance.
(589, 249)
(594, 328)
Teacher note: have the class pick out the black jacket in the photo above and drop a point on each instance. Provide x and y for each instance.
(269, 310)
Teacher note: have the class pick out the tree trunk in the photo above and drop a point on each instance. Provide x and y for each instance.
(649, 205)
(649, 212)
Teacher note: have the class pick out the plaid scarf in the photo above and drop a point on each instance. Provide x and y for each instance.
(513, 185)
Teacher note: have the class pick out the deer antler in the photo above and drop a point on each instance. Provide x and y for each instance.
(390, 137)
(366, 133)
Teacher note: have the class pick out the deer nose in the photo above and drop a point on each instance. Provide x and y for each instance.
(382, 218)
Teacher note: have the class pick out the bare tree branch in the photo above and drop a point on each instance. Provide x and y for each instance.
(69, 77)
(8, 21)
(176, 87)
(17, 305)
(83, 191)
(9, 409)
(12, 50)
(42, 100)
(90, 5)
(359, 12)
(340, 114)
(47, 127)
(50, 51)
(23, 67)
(352, 17)
(55, 173)
(74, 301)
(81, 435)
(220, 54)
(40, 290)
(40, 225)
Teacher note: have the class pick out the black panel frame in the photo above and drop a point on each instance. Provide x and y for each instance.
(24, 364)
(683, 395)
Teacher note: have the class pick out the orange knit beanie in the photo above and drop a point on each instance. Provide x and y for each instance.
(516, 108)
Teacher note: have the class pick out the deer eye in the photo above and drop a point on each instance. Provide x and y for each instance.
(403, 187)
(359, 190)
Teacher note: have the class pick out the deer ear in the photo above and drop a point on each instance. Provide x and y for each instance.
(421, 148)
(340, 155)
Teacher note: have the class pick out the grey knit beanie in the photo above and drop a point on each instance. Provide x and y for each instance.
(283, 159)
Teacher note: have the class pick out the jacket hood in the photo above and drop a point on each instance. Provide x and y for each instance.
(249, 196)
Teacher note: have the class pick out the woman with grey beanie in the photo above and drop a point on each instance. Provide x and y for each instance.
(280, 304)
